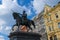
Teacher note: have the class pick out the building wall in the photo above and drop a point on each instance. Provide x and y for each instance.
(52, 19)
(40, 27)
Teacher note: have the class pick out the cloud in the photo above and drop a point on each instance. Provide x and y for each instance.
(6, 8)
(38, 5)
(19, 8)
(9, 5)
(5, 30)
(1, 38)
(1, 28)
(16, 7)
(2, 22)
(51, 2)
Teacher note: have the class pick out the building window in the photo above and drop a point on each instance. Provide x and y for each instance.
(51, 38)
(59, 24)
(56, 15)
(49, 28)
(52, 28)
(49, 19)
(55, 37)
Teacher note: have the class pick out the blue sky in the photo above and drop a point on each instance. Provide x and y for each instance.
(32, 7)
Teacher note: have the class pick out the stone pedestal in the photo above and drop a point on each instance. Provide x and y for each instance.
(24, 36)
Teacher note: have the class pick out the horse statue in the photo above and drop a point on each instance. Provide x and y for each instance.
(22, 20)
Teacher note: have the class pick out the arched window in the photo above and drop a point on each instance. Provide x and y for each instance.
(55, 37)
(59, 24)
(56, 15)
(51, 38)
(49, 19)
(49, 28)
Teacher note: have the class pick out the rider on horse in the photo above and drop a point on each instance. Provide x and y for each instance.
(22, 20)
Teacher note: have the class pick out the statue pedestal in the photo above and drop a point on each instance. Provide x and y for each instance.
(24, 36)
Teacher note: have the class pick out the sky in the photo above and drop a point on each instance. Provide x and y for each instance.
(32, 8)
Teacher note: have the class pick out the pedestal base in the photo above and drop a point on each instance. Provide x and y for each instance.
(24, 36)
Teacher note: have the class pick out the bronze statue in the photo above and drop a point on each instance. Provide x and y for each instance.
(21, 19)
(24, 15)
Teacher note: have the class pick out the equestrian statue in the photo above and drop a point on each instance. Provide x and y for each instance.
(21, 19)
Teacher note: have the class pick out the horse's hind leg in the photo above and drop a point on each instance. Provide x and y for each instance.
(33, 24)
(30, 27)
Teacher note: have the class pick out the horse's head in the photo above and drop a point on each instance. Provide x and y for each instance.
(15, 15)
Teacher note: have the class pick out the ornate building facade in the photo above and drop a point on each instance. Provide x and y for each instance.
(52, 21)
(40, 27)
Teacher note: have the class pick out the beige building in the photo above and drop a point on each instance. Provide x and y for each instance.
(52, 21)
